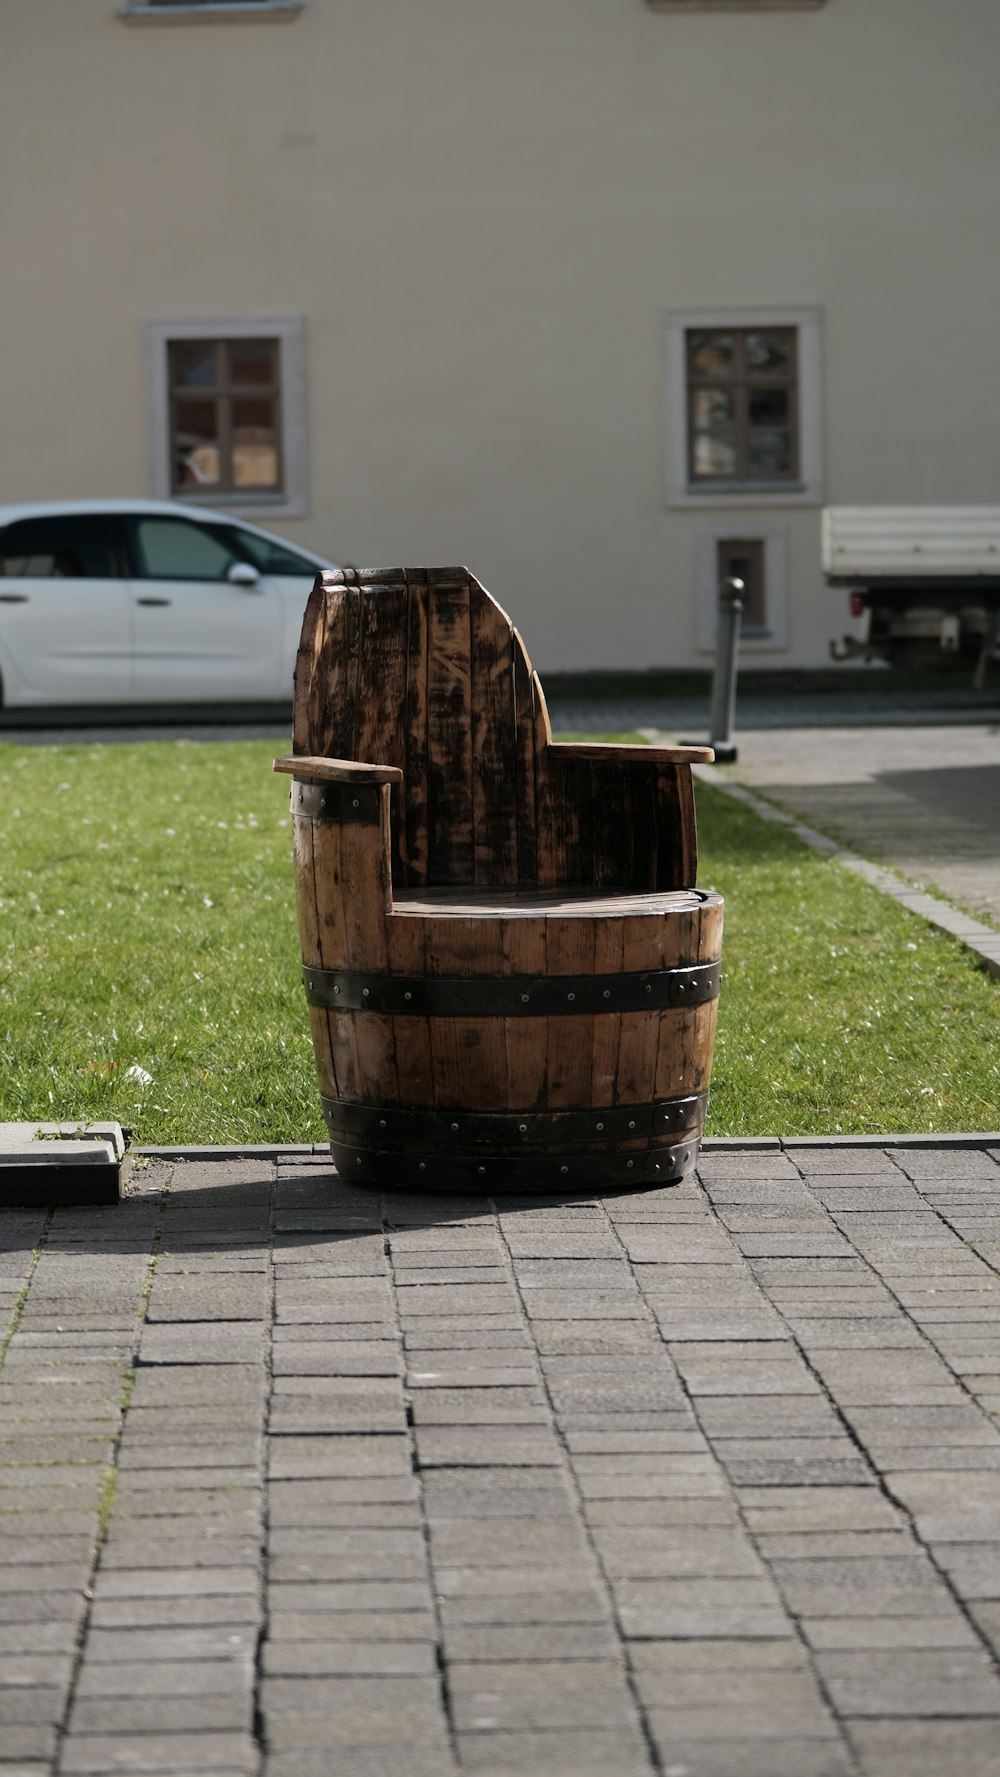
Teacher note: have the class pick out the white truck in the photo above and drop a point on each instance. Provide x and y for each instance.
(923, 582)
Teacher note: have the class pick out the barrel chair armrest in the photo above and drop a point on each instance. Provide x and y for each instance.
(641, 802)
(611, 753)
(343, 833)
(337, 771)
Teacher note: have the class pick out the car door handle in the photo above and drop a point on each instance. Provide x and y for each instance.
(154, 601)
(13, 598)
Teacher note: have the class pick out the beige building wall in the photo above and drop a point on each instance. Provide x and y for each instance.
(483, 214)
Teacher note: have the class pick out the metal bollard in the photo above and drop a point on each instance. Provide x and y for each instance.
(727, 642)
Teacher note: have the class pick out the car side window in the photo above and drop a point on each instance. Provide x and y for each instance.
(65, 548)
(177, 549)
(270, 557)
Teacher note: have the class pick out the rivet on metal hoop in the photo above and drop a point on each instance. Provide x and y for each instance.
(607, 993)
(454, 1125)
(422, 1166)
(649, 987)
(571, 996)
(600, 1126)
(631, 1126)
(381, 1122)
(480, 1169)
(629, 1164)
(407, 995)
(564, 1169)
(365, 992)
(522, 1129)
(336, 990)
(356, 803)
(524, 999)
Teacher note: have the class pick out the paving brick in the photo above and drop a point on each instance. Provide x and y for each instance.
(30, 1740)
(26, 1704)
(927, 1424)
(337, 1357)
(654, 1552)
(754, 1703)
(42, 1607)
(587, 1752)
(351, 1726)
(224, 1643)
(364, 1625)
(938, 1682)
(517, 1405)
(792, 1757)
(150, 1715)
(948, 1630)
(510, 1542)
(312, 1458)
(763, 1375)
(659, 1609)
(414, 1758)
(350, 1595)
(527, 1641)
(87, 1755)
(555, 1338)
(349, 1659)
(578, 1605)
(766, 1416)
(704, 1511)
(180, 1611)
(922, 1748)
(485, 1446)
(879, 1586)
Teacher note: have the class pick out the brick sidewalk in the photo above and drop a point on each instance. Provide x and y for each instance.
(701, 1482)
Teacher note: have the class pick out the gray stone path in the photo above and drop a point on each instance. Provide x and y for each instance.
(703, 1481)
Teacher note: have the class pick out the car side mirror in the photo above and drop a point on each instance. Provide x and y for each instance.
(243, 573)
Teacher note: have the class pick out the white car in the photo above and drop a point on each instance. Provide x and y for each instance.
(146, 602)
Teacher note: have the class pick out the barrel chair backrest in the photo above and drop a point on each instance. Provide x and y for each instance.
(421, 669)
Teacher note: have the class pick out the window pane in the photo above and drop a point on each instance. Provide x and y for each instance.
(197, 460)
(255, 443)
(769, 407)
(711, 354)
(71, 547)
(174, 549)
(712, 407)
(769, 352)
(194, 364)
(770, 453)
(769, 449)
(714, 442)
(715, 454)
(252, 362)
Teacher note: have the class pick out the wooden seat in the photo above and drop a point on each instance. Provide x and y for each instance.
(510, 973)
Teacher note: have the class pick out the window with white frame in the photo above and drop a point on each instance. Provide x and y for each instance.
(742, 396)
(757, 554)
(227, 413)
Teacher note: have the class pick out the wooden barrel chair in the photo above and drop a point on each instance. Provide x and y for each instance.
(511, 976)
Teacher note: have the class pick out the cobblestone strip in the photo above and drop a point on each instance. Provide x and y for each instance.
(852, 1447)
(729, 1686)
(166, 1680)
(69, 1347)
(351, 1675)
(535, 1679)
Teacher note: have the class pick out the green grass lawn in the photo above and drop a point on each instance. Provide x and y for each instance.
(147, 921)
